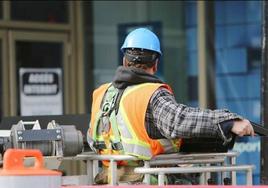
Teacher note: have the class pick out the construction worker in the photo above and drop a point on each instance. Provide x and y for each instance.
(138, 115)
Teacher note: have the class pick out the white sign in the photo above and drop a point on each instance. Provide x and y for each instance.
(41, 91)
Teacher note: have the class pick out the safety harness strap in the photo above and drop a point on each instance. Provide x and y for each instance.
(106, 134)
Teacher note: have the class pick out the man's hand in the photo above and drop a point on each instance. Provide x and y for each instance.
(242, 127)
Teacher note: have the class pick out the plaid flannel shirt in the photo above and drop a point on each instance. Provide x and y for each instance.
(165, 118)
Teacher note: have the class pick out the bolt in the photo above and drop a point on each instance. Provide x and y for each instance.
(20, 138)
(57, 131)
(19, 132)
(59, 137)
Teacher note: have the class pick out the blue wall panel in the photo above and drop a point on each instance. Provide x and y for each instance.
(254, 35)
(236, 35)
(249, 109)
(254, 85)
(235, 12)
(221, 88)
(192, 67)
(245, 86)
(191, 16)
(234, 87)
(236, 106)
(220, 37)
(231, 60)
(191, 39)
(254, 11)
(220, 12)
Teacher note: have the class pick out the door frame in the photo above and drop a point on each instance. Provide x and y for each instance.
(31, 36)
(4, 74)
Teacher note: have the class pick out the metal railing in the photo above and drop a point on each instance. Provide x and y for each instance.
(167, 159)
(204, 169)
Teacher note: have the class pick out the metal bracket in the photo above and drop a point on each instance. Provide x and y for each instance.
(39, 135)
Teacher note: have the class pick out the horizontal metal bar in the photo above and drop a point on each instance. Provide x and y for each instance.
(94, 156)
(29, 122)
(35, 25)
(114, 157)
(187, 161)
(177, 170)
(5, 133)
(194, 155)
(175, 156)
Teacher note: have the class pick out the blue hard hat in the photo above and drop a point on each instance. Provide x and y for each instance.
(142, 38)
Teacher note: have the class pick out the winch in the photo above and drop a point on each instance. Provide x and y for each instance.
(55, 140)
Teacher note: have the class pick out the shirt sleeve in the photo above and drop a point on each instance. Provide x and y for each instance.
(175, 120)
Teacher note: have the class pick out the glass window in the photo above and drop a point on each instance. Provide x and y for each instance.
(238, 57)
(38, 54)
(41, 11)
(238, 67)
(110, 21)
(191, 52)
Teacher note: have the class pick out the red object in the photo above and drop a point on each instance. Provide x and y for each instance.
(170, 186)
(13, 163)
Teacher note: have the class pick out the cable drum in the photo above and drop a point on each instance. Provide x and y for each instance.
(72, 140)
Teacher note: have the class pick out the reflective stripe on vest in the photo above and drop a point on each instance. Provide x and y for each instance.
(134, 136)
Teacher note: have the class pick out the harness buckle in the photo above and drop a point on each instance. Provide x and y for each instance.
(99, 145)
(117, 146)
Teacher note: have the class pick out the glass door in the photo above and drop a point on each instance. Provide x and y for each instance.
(39, 70)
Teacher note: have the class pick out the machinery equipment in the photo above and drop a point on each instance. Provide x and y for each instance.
(64, 142)
(56, 140)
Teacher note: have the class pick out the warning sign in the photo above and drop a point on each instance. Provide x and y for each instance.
(41, 91)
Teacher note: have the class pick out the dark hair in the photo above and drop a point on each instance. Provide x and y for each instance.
(140, 58)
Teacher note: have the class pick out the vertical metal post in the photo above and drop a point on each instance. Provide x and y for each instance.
(206, 54)
(80, 61)
(202, 178)
(90, 172)
(207, 175)
(223, 174)
(161, 179)
(249, 176)
(113, 172)
(233, 173)
(147, 176)
(264, 94)
(95, 168)
(206, 57)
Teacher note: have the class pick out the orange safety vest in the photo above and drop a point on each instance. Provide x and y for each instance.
(132, 110)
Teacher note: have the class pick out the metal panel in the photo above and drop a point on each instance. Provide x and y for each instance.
(39, 135)
(264, 94)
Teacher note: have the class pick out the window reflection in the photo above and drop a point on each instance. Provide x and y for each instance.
(42, 11)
